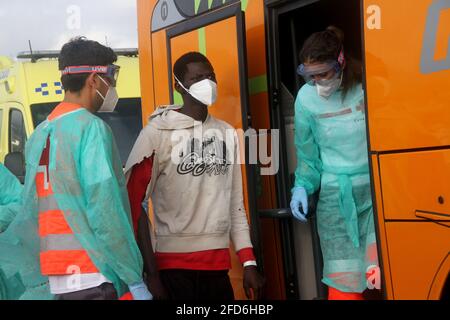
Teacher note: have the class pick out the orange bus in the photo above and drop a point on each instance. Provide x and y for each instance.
(253, 46)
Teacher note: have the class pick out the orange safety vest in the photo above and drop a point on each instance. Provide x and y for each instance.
(61, 252)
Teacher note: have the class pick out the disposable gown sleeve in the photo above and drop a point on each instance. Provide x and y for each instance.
(108, 209)
(10, 197)
(7, 214)
(309, 165)
(10, 187)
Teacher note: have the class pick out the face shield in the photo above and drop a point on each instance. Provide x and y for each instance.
(111, 72)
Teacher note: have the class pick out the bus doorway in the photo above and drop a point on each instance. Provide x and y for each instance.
(288, 24)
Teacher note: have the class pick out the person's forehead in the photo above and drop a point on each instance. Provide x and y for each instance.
(194, 68)
(317, 65)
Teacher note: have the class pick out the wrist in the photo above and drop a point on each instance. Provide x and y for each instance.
(299, 188)
(151, 273)
(250, 263)
(136, 285)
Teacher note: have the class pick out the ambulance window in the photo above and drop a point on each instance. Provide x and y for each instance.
(40, 111)
(126, 123)
(17, 133)
(1, 122)
(1, 125)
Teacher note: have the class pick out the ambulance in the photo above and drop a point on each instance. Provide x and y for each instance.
(30, 88)
(253, 46)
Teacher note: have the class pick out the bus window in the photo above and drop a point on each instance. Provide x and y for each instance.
(17, 133)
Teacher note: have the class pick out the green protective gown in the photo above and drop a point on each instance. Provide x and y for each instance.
(89, 186)
(10, 197)
(332, 155)
(11, 286)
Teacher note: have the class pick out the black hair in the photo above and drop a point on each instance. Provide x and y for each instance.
(80, 51)
(327, 45)
(180, 67)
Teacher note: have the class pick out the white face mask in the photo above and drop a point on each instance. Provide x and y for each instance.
(325, 88)
(204, 91)
(110, 100)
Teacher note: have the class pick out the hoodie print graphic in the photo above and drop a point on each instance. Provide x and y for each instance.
(204, 157)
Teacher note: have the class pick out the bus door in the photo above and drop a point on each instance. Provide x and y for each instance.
(289, 23)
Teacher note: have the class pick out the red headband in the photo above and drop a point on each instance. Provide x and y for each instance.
(84, 69)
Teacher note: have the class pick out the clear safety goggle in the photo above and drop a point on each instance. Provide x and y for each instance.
(110, 71)
(311, 72)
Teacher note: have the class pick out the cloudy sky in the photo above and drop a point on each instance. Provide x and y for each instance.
(51, 23)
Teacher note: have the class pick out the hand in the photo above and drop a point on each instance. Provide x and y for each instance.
(253, 281)
(156, 287)
(299, 198)
(139, 291)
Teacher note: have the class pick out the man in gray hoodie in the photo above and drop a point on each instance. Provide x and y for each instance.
(186, 161)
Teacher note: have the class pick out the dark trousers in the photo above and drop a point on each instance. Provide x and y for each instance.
(197, 285)
(105, 291)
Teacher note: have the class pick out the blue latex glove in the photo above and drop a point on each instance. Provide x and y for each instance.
(139, 291)
(299, 198)
(145, 205)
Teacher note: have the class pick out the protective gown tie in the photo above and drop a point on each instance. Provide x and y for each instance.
(347, 205)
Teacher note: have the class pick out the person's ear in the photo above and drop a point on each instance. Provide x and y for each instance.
(179, 88)
(92, 81)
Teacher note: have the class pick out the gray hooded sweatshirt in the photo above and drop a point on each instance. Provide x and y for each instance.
(196, 184)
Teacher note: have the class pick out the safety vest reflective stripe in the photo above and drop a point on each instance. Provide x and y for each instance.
(60, 242)
(43, 187)
(48, 204)
(53, 222)
(65, 262)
